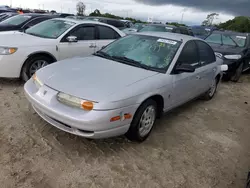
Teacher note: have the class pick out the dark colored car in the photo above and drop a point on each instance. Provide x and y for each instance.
(6, 9)
(6, 15)
(22, 22)
(202, 31)
(116, 23)
(234, 49)
(166, 28)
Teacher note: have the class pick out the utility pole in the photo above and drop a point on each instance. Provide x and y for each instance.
(10, 3)
(182, 17)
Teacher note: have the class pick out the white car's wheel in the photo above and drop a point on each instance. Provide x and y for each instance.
(33, 64)
(212, 90)
(143, 121)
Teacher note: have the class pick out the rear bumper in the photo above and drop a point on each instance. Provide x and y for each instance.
(91, 124)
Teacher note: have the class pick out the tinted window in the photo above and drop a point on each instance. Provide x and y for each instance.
(107, 33)
(205, 52)
(226, 40)
(84, 33)
(184, 31)
(214, 38)
(189, 54)
(35, 21)
(115, 23)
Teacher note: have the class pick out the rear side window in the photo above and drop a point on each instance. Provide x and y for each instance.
(84, 33)
(205, 52)
(107, 33)
(214, 38)
(189, 54)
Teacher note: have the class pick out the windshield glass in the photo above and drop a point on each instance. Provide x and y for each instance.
(239, 40)
(156, 28)
(50, 29)
(153, 52)
(16, 20)
(200, 31)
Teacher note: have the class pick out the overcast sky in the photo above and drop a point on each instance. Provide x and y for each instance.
(193, 11)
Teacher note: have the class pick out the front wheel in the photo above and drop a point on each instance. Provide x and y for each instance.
(143, 121)
(33, 64)
(237, 74)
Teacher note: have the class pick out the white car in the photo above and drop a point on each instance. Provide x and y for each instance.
(23, 53)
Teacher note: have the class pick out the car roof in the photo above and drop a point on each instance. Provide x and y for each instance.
(168, 35)
(103, 18)
(231, 32)
(78, 21)
(33, 15)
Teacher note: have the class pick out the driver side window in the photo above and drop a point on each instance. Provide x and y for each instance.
(189, 55)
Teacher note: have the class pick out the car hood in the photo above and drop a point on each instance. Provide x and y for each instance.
(91, 78)
(226, 50)
(17, 39)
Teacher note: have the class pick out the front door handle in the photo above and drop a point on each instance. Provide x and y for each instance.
(92, 46)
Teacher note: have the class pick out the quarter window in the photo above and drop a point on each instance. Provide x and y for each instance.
(84, 33)
(205, 52)
(189, 55)
(107, 33)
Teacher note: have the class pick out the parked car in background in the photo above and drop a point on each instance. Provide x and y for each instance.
(5, 8)
(122, 88)
(23, 21)
(128, 23)
(114, 22)
(23, 53)
(6, 15)
(76, 17)
(135, 28)
(234, 49)
(166, 28)
(202, 31)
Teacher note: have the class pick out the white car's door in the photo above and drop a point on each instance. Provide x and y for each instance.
(106, 35)
(84, 45)
(185, 84)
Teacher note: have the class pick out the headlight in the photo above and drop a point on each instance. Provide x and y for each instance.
(7, 50)
(235, 57)
(37, 81)
(75, 101)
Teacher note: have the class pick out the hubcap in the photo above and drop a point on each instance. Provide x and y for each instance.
(147, 120)
(36, 66)
(212, 88)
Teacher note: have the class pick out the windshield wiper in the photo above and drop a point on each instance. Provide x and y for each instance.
(132, 62)
(102, 54)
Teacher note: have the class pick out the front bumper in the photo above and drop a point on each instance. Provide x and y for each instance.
(91, 124)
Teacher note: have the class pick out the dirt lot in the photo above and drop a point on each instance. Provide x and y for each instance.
(200, 145)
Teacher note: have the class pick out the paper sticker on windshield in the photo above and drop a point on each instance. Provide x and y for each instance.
(167, 41)
(170, 28)
(69, 23)
(241, 37)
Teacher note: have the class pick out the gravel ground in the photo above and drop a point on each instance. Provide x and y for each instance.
(200, 145)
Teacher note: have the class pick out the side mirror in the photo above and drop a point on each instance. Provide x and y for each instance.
(184, 68)
(71, 39)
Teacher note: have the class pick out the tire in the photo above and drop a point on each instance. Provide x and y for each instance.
(237, 74)
(211, 92)
(138, 130)
(31, 63)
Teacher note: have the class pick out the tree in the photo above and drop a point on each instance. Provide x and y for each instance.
(80, 8)
(210, 18)
(239, 24)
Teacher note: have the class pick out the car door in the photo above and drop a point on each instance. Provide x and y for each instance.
(208, 66)
(185, 84)
(105, 35)
(84, 45)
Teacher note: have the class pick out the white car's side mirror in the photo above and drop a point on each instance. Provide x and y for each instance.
(71, 39)
(224, 67)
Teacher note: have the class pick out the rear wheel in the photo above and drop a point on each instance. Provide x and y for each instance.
(237, 74)
(33, 64)
(213, 88)
(143, 121)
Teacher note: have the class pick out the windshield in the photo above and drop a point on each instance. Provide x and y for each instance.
(156, 28)
(227, 39)
(153, 52)
(50, 29)
(16, 20)
(239, 40)
(200, 31)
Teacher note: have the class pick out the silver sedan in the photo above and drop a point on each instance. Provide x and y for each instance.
(124, 87)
